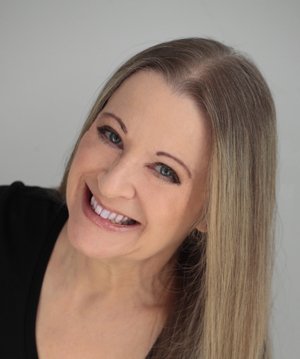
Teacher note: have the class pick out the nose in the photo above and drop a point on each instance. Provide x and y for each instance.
(117, 180)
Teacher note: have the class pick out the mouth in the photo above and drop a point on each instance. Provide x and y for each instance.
(113, 217)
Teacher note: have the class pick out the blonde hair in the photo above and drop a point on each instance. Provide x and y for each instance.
(222, 308)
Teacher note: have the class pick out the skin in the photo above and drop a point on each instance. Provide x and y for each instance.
(96, 270)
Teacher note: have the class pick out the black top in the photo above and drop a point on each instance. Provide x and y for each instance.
(30, 221)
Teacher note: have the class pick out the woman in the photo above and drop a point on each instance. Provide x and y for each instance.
(164, 246)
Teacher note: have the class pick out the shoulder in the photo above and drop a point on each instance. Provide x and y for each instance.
(18, 201)
(30, 220)
(19, 193)
(27, 213)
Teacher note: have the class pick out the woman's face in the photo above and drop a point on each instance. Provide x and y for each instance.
(145, 157)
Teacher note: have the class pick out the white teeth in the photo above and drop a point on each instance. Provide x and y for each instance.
(112, 216)
(106, 214)
(93, 202)
(98, 209)
(119, 218)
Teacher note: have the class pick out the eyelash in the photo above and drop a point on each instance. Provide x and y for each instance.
(173, 178)
(105, 132)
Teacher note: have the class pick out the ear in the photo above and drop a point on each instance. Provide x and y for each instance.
(201, 223)
(202, 226)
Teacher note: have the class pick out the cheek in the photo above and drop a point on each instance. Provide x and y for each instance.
(78, 168)
(92, 154)
(87, 147)
(85, 158)
(169, 208)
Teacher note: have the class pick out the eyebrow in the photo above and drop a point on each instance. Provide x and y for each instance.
(120, 122)
(161, 153)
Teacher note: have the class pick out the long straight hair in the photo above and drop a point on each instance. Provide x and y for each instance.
(223, 300)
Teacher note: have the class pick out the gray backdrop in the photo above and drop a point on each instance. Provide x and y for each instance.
(55, 55)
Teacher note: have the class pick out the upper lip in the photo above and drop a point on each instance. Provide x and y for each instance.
(108, 208)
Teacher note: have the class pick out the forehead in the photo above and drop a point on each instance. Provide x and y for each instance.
(163, 119)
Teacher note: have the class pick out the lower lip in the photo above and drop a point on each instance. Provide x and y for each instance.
(102, 222)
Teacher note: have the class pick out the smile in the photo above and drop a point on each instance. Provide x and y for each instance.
(113, 217)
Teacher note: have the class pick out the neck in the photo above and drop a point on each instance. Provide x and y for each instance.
(140, 282)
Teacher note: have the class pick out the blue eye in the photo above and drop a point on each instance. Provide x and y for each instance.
(109, 135)
(167, 173)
